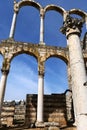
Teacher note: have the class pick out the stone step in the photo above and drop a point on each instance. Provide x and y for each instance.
(69, 128)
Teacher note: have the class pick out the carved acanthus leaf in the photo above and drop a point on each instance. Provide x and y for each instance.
(71, 23)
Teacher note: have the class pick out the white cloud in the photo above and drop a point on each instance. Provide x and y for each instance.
(22, 79)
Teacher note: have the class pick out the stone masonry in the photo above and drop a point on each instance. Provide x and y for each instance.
(74, 55)
(55, 109)
(13, 113)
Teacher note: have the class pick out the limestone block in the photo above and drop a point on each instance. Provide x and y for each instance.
(53, 128)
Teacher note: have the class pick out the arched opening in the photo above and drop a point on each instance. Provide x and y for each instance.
(22, 80)
(22, 77)
(56, 84)
(28, 24)
(53, 23)
(56, 76)
(6, 14)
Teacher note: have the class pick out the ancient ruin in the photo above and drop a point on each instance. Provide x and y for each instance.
(74, 55)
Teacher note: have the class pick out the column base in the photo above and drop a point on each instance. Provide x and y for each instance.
(49, 125)
(39, 124)
(42, 43)
(82, 122)
(75, 124)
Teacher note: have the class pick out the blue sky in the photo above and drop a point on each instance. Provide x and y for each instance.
(23, 76)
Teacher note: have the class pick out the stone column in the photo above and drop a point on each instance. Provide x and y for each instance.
(2, 87)
(5, 71)
(41, 26)
(12, 30)
(40, 96)
(72, 29)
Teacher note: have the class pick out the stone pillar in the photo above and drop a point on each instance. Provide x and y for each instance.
(5, 71)
(41, 26)
(12, 30)
(72, 29)
(40, 97)
(2, 87)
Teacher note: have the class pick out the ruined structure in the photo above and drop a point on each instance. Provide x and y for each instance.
(57, 109)
(74, 55)
(13, 113)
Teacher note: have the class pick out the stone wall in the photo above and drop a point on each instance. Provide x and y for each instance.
(7, 114)
(13, 113)
(19, 115)
(56, 108)
(31, 109)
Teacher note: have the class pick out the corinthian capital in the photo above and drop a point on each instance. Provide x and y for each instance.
(73, 24)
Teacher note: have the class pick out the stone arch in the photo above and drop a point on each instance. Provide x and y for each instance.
(12, 50)
(23, 75)
(55, 13)
(23, 52)
(56, 8)
(78, 12)
(22, 4)
(55, 64)
(25, 3)
(61, 56)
